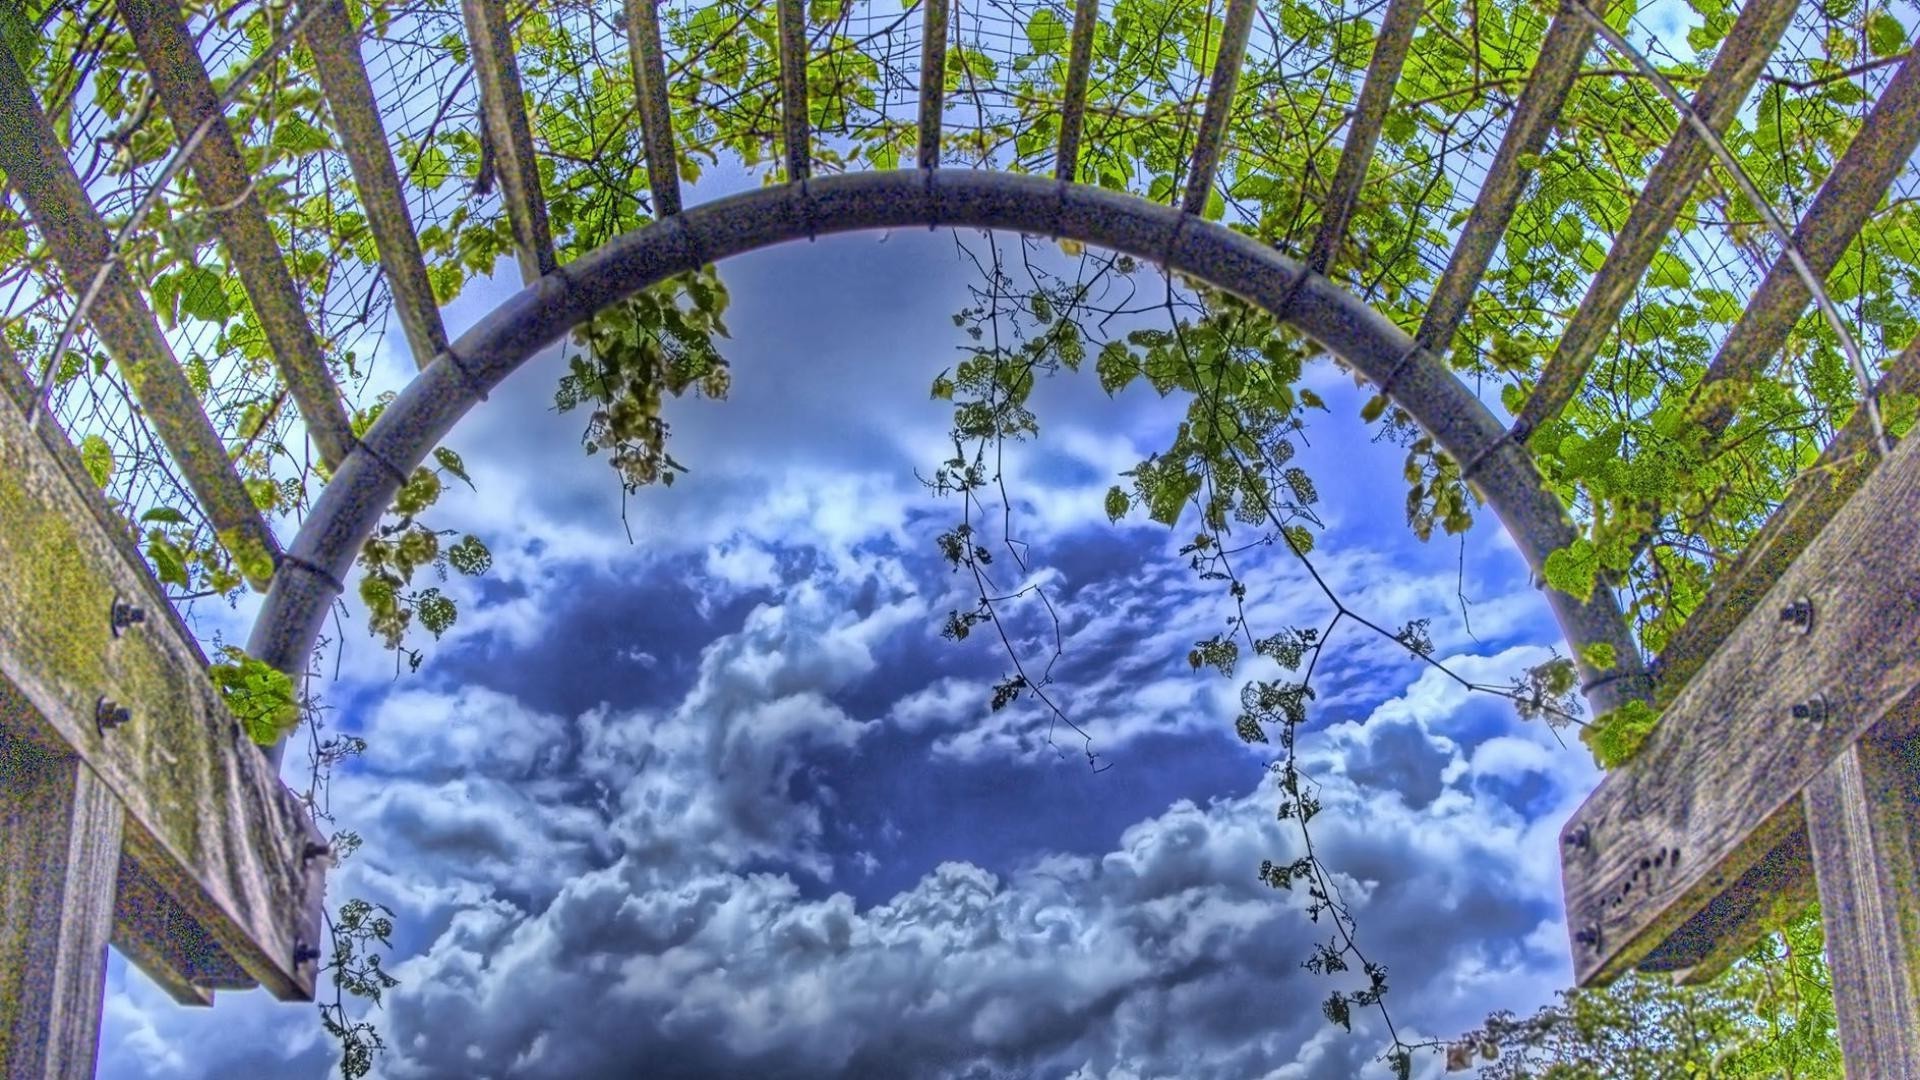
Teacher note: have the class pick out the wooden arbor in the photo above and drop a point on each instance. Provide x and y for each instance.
(1797, 769)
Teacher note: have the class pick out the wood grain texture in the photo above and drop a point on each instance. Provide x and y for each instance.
(1717, 786)
(504, 105)
(207, 820)
(1863, 813)
(59, 847)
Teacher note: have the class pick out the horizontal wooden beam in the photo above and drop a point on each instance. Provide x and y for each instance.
(1859, 180)
(503, 106)
(933, 80)
(1363, 135)
(1073, 106)
(363, 138)
(791, 17)
(207, 820)
(1742, 56)
(1671, 836)
(1212, 140)
(650, 92)
(180, 81)
(1561, 53)
(59, 844)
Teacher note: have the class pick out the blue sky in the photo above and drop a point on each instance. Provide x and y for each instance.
(720, 801)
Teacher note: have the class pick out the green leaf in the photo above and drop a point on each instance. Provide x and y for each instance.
(97, 456)
(1117, 503)
(169, 563)
(1599, 655)
(470, 556)
(1616, 736)
(1885, 35)
(451, 462)
(1375, 405)
(1115, 367)
(165, 514)
(1573, 569)
(203, 295)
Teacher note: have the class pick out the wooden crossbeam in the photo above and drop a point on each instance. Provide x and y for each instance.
(1213, 123)
(37, 166)
(933, 79)
(504, 108)
(356, 118)
(1674, 860)
(1755, 34)
(180, 81)
(791, 16)
(1073, 108)
(1363, 135)
(1561, 52)
(195, 846)
(1887, 139)
(650, 92)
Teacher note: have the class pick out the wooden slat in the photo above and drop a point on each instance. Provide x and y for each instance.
(650, 92)
(206, 818)
(1213, 124)
(1073, 108)
(1817, 494)
(180, 80)
(1887, 139)
(791, 16)
(36, 165)
(1864, 815)
(1561, 52)
(356, 119)
(1363, 135)
(59, 846)
(505, 107)
(933, 79)
(1755, 34)
(1717, 785)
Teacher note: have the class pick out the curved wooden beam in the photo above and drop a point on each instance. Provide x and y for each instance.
(539, 315)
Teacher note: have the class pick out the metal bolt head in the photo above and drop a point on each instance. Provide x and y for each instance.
(311, 851)
(107, 714)
(303, 952)
(1814, 709)
(1589, 935)
(1798, 614)
(123, 615)
(1578, 838)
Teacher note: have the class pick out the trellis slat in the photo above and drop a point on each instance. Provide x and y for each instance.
(1561, 52)
(933, 80)
(37, 166)
(363, 137)
(1363, 136)
(791, 16)
(1213, 123)
(180, 80)
(1073, 105)
(504, 106)
(650, 92)
(1755, 34)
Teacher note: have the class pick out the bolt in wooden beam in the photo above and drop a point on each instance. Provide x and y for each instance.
(504, 107)
(1383, 74)
(933, 79)
(38, 168)
(1887, 138)
(792, 18)
(1073, 110)
(356, 119)
(650, 89)
(1755, 34)
(1561, 51)
(180, 81)
(1213, 124)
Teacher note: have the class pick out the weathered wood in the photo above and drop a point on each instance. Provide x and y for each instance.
(1363, 135)
(1564, 46)
(1717, 785)
(791, 17)
(933, 80)
(59, 846)
(37, 166)
(1212, 140)
(504, 108)
(356, 119)
(1736, 67)
(206, 819)
(1864, 814)
(1073, 106)
(650, 93)
(180, 80)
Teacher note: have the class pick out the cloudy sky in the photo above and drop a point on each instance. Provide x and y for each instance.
(720, 801)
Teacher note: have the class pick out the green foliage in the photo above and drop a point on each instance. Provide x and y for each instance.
(259, 696)
(1614, 737)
